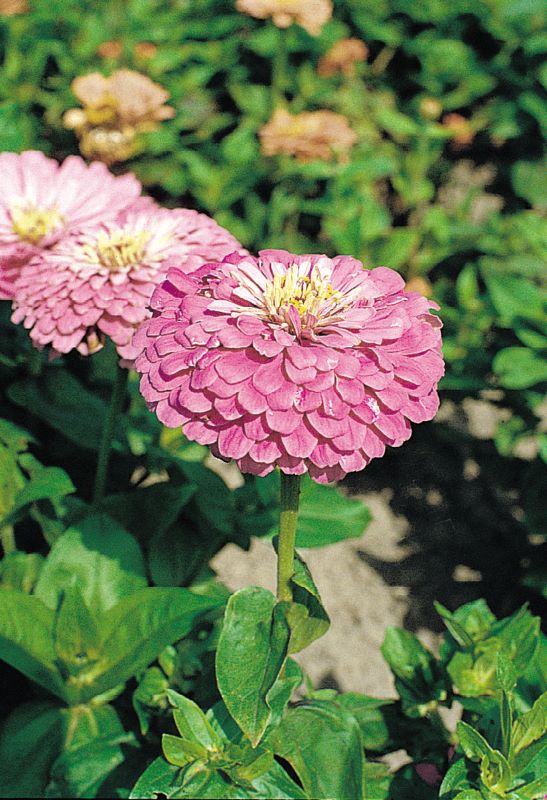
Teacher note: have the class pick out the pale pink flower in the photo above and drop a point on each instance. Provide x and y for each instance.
(302, 362)
(42, 200)
(98, 282)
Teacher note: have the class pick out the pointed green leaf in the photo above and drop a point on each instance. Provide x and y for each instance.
(26, 639)
(30, 740)
(98, 556)
(192, 723)
(322, 743)
(251, 651)
(181, 752)
(137, 629)
(531, 725)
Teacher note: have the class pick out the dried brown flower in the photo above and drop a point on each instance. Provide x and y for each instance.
(307, 136)
(342, 57)
(420, 285)
(135, 99)
(310, 14)
(145, 50)
(462, 133)
(430, 108)
(115, 110)
(111, 49)
(8, 8)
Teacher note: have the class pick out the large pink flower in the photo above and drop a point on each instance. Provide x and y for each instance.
(42, 200)
(98, 282)
(301, 362)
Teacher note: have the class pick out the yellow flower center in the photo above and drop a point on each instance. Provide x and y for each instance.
(118, 250)
(306, 293)
(32, 224)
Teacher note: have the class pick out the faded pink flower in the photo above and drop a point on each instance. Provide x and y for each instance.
(301, 362)
(42, 200)
(98, 282)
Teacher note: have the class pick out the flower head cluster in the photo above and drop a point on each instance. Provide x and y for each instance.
(98, 281)
(342, 57)
(307, 136)
(42, 201)
(303, 362)
(310, 14)
(115, 110)
(10, 8)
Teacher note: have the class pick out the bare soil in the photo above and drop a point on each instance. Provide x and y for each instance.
(446, 526)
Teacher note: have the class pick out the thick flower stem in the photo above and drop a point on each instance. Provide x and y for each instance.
(116, 402)
(290, 493)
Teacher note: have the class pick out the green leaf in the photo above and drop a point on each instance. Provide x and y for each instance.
(463, 638)
(182, 752)
(192, 723)
(322, 743)
(535, 790)
(370, 713)
(99, 556)
(512, 296)
(326, 516)
(76, 637)
(306, 616)
(519, 367)
(46, 483)
(20, 571)
(506, 674)
(59, 400)
(137, 629)
(30, 740)
(159, 778)
(528, 181)
(251, 651)
(26, 639)
(531, 725)
(149, 696)
(495, 770)
(419, 679)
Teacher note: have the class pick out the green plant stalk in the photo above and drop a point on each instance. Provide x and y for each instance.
(290, 494)
(7, 539)
(105, 446)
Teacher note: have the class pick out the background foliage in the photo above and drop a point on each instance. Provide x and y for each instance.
(89, 694)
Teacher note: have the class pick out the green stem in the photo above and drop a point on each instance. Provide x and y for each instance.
(7, 538)
(116, 402)
(290, 493)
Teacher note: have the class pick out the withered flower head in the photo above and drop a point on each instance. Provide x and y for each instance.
(111, 49)
(8, 8)
(307, 136)
(462, 133)
(430, 108)
(137, 100)
(145, 50)
(420, 285)
(342, 57)
(310, 14)
(115, 110)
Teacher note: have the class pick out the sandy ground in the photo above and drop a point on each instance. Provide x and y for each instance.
(445, 527)
(356, 597)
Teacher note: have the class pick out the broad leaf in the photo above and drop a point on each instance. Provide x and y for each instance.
(26, 639)
(98, 556)
(30, 740)
(531, 725)
(251, 651)
(322, 743)
(307, 618)
(137, 629)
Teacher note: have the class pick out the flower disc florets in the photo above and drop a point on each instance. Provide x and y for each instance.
(301, 362)
(42, 201)
(98, 282)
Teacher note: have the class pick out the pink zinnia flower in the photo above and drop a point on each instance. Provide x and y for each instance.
(98, 282)
(301, 362)
(42, 200)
